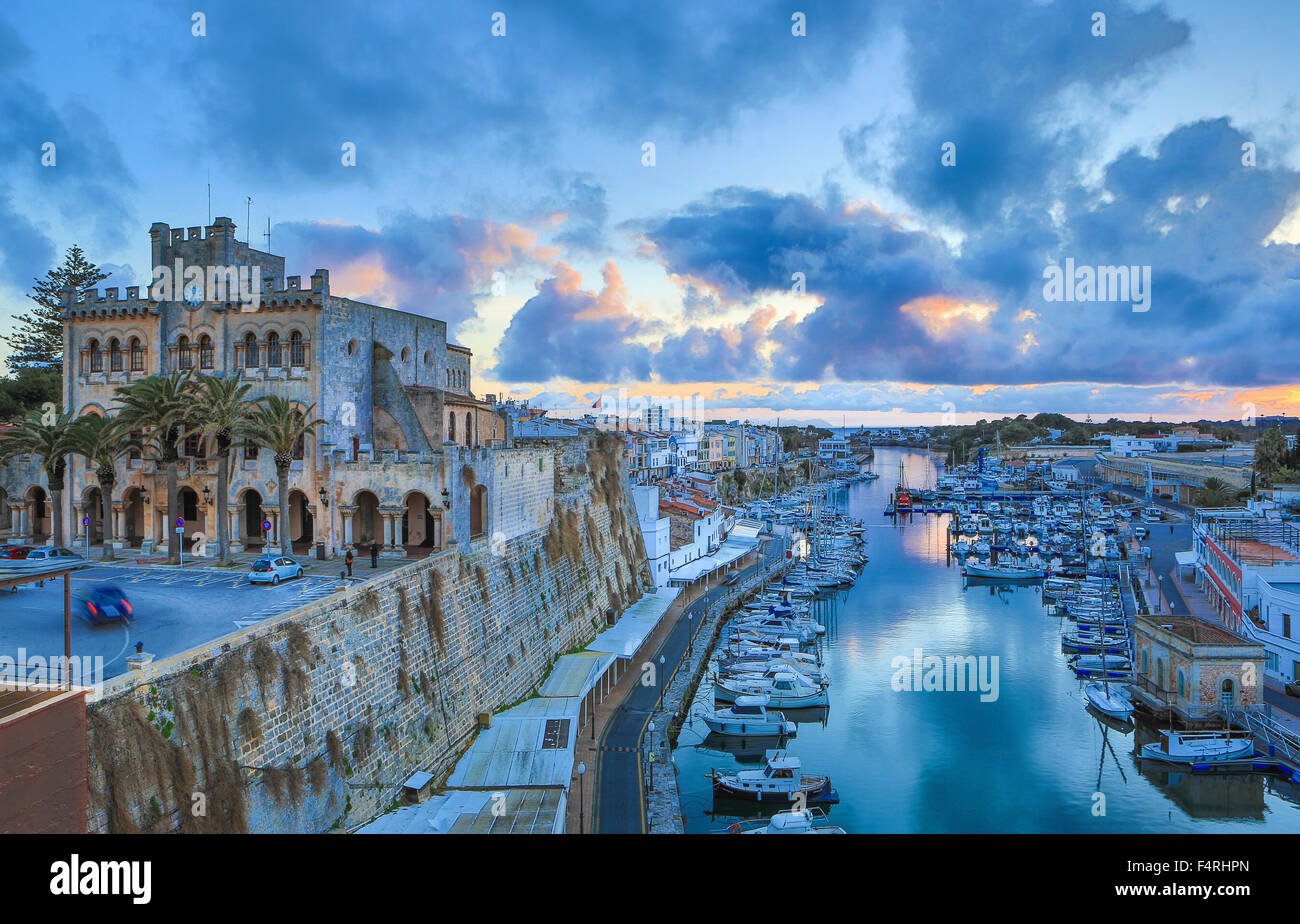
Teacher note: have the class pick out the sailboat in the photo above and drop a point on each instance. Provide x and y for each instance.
(902, 494)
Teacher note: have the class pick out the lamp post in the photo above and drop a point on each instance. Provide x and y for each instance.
(650, 759)
(582, 771)
(663, 681)
(690, 633)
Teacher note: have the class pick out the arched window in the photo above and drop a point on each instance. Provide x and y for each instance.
(297, 354)
(137, 355)
(273, 350)
(96, 357)
(406, 354)
(1182, 685)
(205, 352)
(114, 355)
(469, 432)
(451, 426)
(184, 357)
(251, 359)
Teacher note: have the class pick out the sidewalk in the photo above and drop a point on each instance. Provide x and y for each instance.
(241, 561)
(590, 735)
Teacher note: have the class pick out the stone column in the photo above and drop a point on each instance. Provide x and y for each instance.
(80, 538)
(345, 512)
(236, 514)
(113, 530)
(24, 520)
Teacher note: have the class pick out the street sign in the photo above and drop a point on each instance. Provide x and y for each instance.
(266, 526)
(85, 521)
(180, 522)
(180, 530)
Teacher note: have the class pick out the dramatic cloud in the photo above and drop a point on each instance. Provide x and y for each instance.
(567, 332)
(430, 265)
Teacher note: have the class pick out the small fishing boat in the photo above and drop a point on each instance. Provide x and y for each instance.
(785, 689)
(1179, 747)
(782, 780)
(749, 717)
(1112, 702)
(1113, 667)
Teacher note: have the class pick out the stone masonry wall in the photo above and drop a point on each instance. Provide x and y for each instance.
(312, 721)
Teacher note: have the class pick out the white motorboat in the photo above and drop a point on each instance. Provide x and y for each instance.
(1003, 572)
(1112, 702)
(785, 690)
(1114, 667)
(748, 716)
(797, 821)
(1181, 747)
(782, 780)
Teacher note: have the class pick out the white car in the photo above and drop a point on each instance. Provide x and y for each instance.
(272, 569)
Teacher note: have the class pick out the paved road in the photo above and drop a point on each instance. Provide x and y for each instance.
(174, 611)
(619, 805)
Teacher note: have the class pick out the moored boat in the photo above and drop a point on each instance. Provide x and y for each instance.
(782, 780)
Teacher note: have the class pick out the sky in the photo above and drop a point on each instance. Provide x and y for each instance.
(812, 211)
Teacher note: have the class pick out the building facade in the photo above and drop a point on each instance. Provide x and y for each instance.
(406, 457)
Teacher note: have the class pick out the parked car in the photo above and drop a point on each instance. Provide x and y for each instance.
(732, 578)
(28, 559)
(105, 603)
(1293, 688)
(272, 569)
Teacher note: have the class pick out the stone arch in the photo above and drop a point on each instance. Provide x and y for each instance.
(421, 522)
(478, 511)
(6, 512)
(39, 513)
(1227, 693)
(92, 506)
(367, 523)
(132, 517)
(251, 521)
(302, 525)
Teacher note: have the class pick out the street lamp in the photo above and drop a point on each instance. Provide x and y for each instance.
(324, 499)
(207, 495)
(650, 759)
(690, 633)
(446, 499)
(582, 771)
(663, 681)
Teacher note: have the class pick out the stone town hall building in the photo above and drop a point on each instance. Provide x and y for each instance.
(407, 456)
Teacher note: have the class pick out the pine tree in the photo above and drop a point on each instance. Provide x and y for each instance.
(37, 340)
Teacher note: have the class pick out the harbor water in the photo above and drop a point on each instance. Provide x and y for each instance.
(949, 761)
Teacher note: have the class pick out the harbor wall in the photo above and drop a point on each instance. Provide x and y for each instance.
(312, 721)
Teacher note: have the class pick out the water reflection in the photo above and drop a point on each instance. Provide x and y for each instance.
(1032, 760)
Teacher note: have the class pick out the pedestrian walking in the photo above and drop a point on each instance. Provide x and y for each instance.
(374, 554)
(348, 559)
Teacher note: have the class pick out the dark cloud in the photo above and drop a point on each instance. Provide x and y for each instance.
(432, 265)
(565, 331)
(87, 185)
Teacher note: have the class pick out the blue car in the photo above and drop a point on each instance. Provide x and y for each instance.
(272, 569)
(105, 603)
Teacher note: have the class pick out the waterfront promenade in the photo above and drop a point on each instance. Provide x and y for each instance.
(615, 786)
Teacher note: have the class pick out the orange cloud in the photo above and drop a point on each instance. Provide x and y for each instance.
(942, 315)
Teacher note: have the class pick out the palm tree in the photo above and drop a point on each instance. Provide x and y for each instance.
(224, 414)
(44, 434)
(161, 407)
(280, 426)
(102, 441)
(1215, 492)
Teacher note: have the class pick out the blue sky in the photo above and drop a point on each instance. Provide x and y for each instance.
(518, 160)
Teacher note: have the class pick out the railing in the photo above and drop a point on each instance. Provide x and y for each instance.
(1264, 727)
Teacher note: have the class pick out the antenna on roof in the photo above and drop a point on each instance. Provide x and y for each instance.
(268, 234)
(209, 196)
(248, 220)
